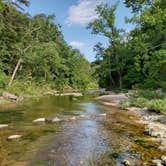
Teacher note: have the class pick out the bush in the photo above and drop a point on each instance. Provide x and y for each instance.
(157, 105)
(148, 94)
(3, 80)
(23, 87)
(138, 102)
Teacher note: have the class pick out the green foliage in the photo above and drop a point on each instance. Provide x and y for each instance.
(137, 58)
(124, 104)
(24, 87)
(154, 100)
(158, 105)
(138, 102)
(113, 58)
(148, 94)
(3, 79)
(37, 42)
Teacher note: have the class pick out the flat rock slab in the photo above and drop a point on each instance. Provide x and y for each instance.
(12, 137)
(3, 126)
(10, 96)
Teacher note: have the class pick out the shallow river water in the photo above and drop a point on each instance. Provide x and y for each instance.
(85, 137)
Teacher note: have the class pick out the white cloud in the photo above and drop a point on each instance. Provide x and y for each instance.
(83, 12)
(76, 44)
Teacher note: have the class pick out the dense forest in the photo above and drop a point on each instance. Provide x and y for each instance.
(136, 58)
(33, 52)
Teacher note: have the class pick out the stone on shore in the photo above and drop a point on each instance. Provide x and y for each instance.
(126, 163)
(3, 126)
(9, 96)
(163, 158)
(156, 130)
(39, 120)
(157, 162)
(12, 137)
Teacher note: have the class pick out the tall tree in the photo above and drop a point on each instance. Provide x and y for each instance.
(105, 25)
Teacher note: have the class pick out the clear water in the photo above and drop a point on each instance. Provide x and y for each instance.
(91, 140)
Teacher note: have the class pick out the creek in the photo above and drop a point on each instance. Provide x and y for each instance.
(89, 134)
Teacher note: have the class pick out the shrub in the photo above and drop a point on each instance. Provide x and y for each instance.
(23, 87)
(3, 80)
(138, 102)
(157, 105)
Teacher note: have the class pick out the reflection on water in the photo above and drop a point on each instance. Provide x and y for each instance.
(90, 140)
(78, 142)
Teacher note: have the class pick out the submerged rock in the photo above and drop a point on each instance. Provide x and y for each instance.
(126, 163)
(3, 126)
(73, 118)
(14, 137)
(102, 114)
(39, 120)
(56, 119)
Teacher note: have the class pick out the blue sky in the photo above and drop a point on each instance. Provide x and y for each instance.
(74, 15)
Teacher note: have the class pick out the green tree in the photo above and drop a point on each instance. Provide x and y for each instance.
(114, 57)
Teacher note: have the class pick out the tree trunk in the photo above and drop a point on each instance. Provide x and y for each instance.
(15, 71)
(111, 79)
(120, 81)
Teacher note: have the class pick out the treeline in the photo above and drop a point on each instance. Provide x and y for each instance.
(133, 59)
(33, 50)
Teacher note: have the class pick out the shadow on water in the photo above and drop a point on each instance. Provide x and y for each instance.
(92, 140)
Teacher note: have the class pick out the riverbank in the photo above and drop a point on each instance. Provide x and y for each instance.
(9, 98)
(154, 123)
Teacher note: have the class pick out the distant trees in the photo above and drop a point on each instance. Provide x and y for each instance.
(33, 49)
(137, 58)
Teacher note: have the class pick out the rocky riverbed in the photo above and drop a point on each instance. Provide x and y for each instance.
(71, 130)
(154, 123)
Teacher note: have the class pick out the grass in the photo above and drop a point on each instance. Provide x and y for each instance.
(154, 100)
